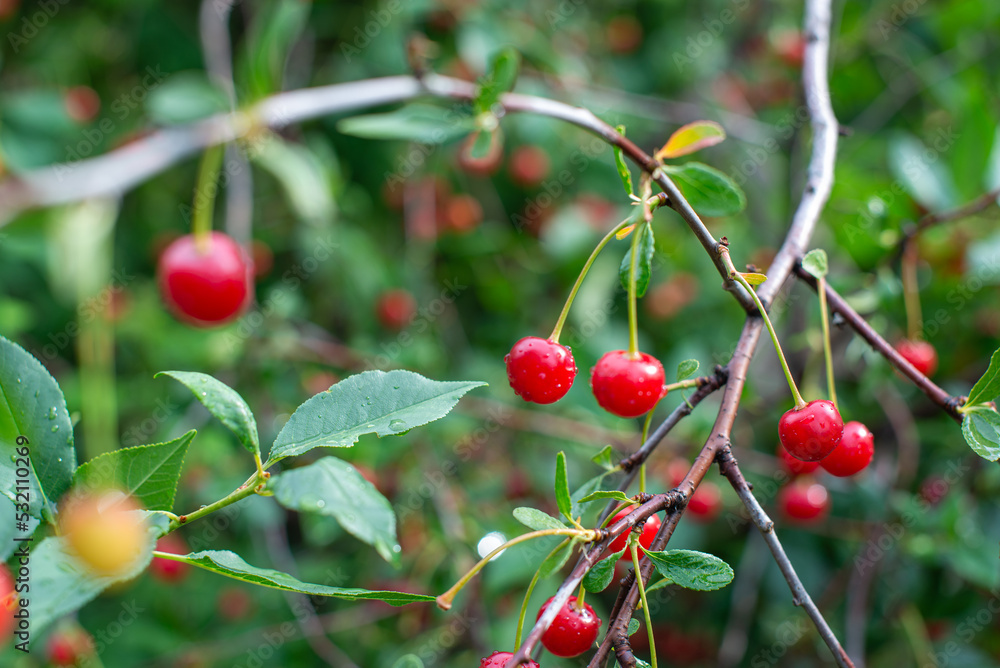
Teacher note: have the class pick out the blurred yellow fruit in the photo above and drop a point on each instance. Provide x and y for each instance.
(103, 532)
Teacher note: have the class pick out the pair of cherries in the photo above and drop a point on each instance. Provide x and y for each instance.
(625, 384)
(572, 632)
(815, 433)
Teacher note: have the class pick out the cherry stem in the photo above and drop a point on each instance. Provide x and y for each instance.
(827, 348)
(240, 493)
(531, 588)
(557, 330)
(645, 606)
(911, 293)
(444, 601)
(642, 467)
(682, 384)
(633, 317)
(738, 277)
(204, 195)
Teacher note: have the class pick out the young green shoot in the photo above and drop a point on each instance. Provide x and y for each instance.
(634, 549)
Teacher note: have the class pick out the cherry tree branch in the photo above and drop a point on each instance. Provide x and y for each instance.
(981, 203)
(837, 304)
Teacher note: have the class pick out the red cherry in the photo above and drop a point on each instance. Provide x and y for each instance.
(812, 432)
(627, 385)
(8, 604)
(795, 466)
(68, 646)
(853, 453)
(206, 285)
(540, 370)
(234, 604)
(706, 502)
(529, 165)
(395, 309)
(804, 500)
(169, 570)
(649, 530)
(573, 631)
(920, 354)
(499, 660)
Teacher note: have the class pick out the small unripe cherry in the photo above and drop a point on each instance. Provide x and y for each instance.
(811, 432)
(804, 500)
(573, 631)
(540, 370)
(853, 453)
(104, 531)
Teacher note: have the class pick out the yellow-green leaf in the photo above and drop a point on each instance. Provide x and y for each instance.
(690, 138)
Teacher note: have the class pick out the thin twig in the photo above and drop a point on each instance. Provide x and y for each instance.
(837, 304)
(978, 205)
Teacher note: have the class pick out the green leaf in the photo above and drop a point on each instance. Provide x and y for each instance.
(500, 79)
(586, 488)
(988, 387)
(599, 577)
(644, 266)
(659, 584)
(753, 278)
(556, 559)
(274, 31)
(302, 176)
(633, 626)
(332, 487)
(623, 170)
(536, 519)
(687, 369)
(815, 262)
(709, 191)
(483, 144)
(690, 138)
(423, 123)
(33, 407)
(562, 487)
(61, 583)
(233, 566)
(928, 181)
(183, 98)
(610, 494)
(981, 429)
(408, 661)
(605, 458)
(224, 403)
(150, 473)
(692, 570)
(379, 402)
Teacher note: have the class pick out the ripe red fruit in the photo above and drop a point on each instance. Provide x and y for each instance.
(920, 354)
(462, 213)
(540, 370)
(168, 570)
(804, 500)
(68, 646)
(206, 284)
(706, 502)
(573, 631)
(854, 452)
(812, 432)
(395, 309)
(529, 165)
(8, 604)
(234, 604)
(627, 385)
(649, 530)
(499, 660)
(795, 466)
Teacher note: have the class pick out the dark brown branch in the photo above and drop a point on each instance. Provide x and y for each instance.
(730, 469)
(981, 203)
(837, 304)
(623, 652)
